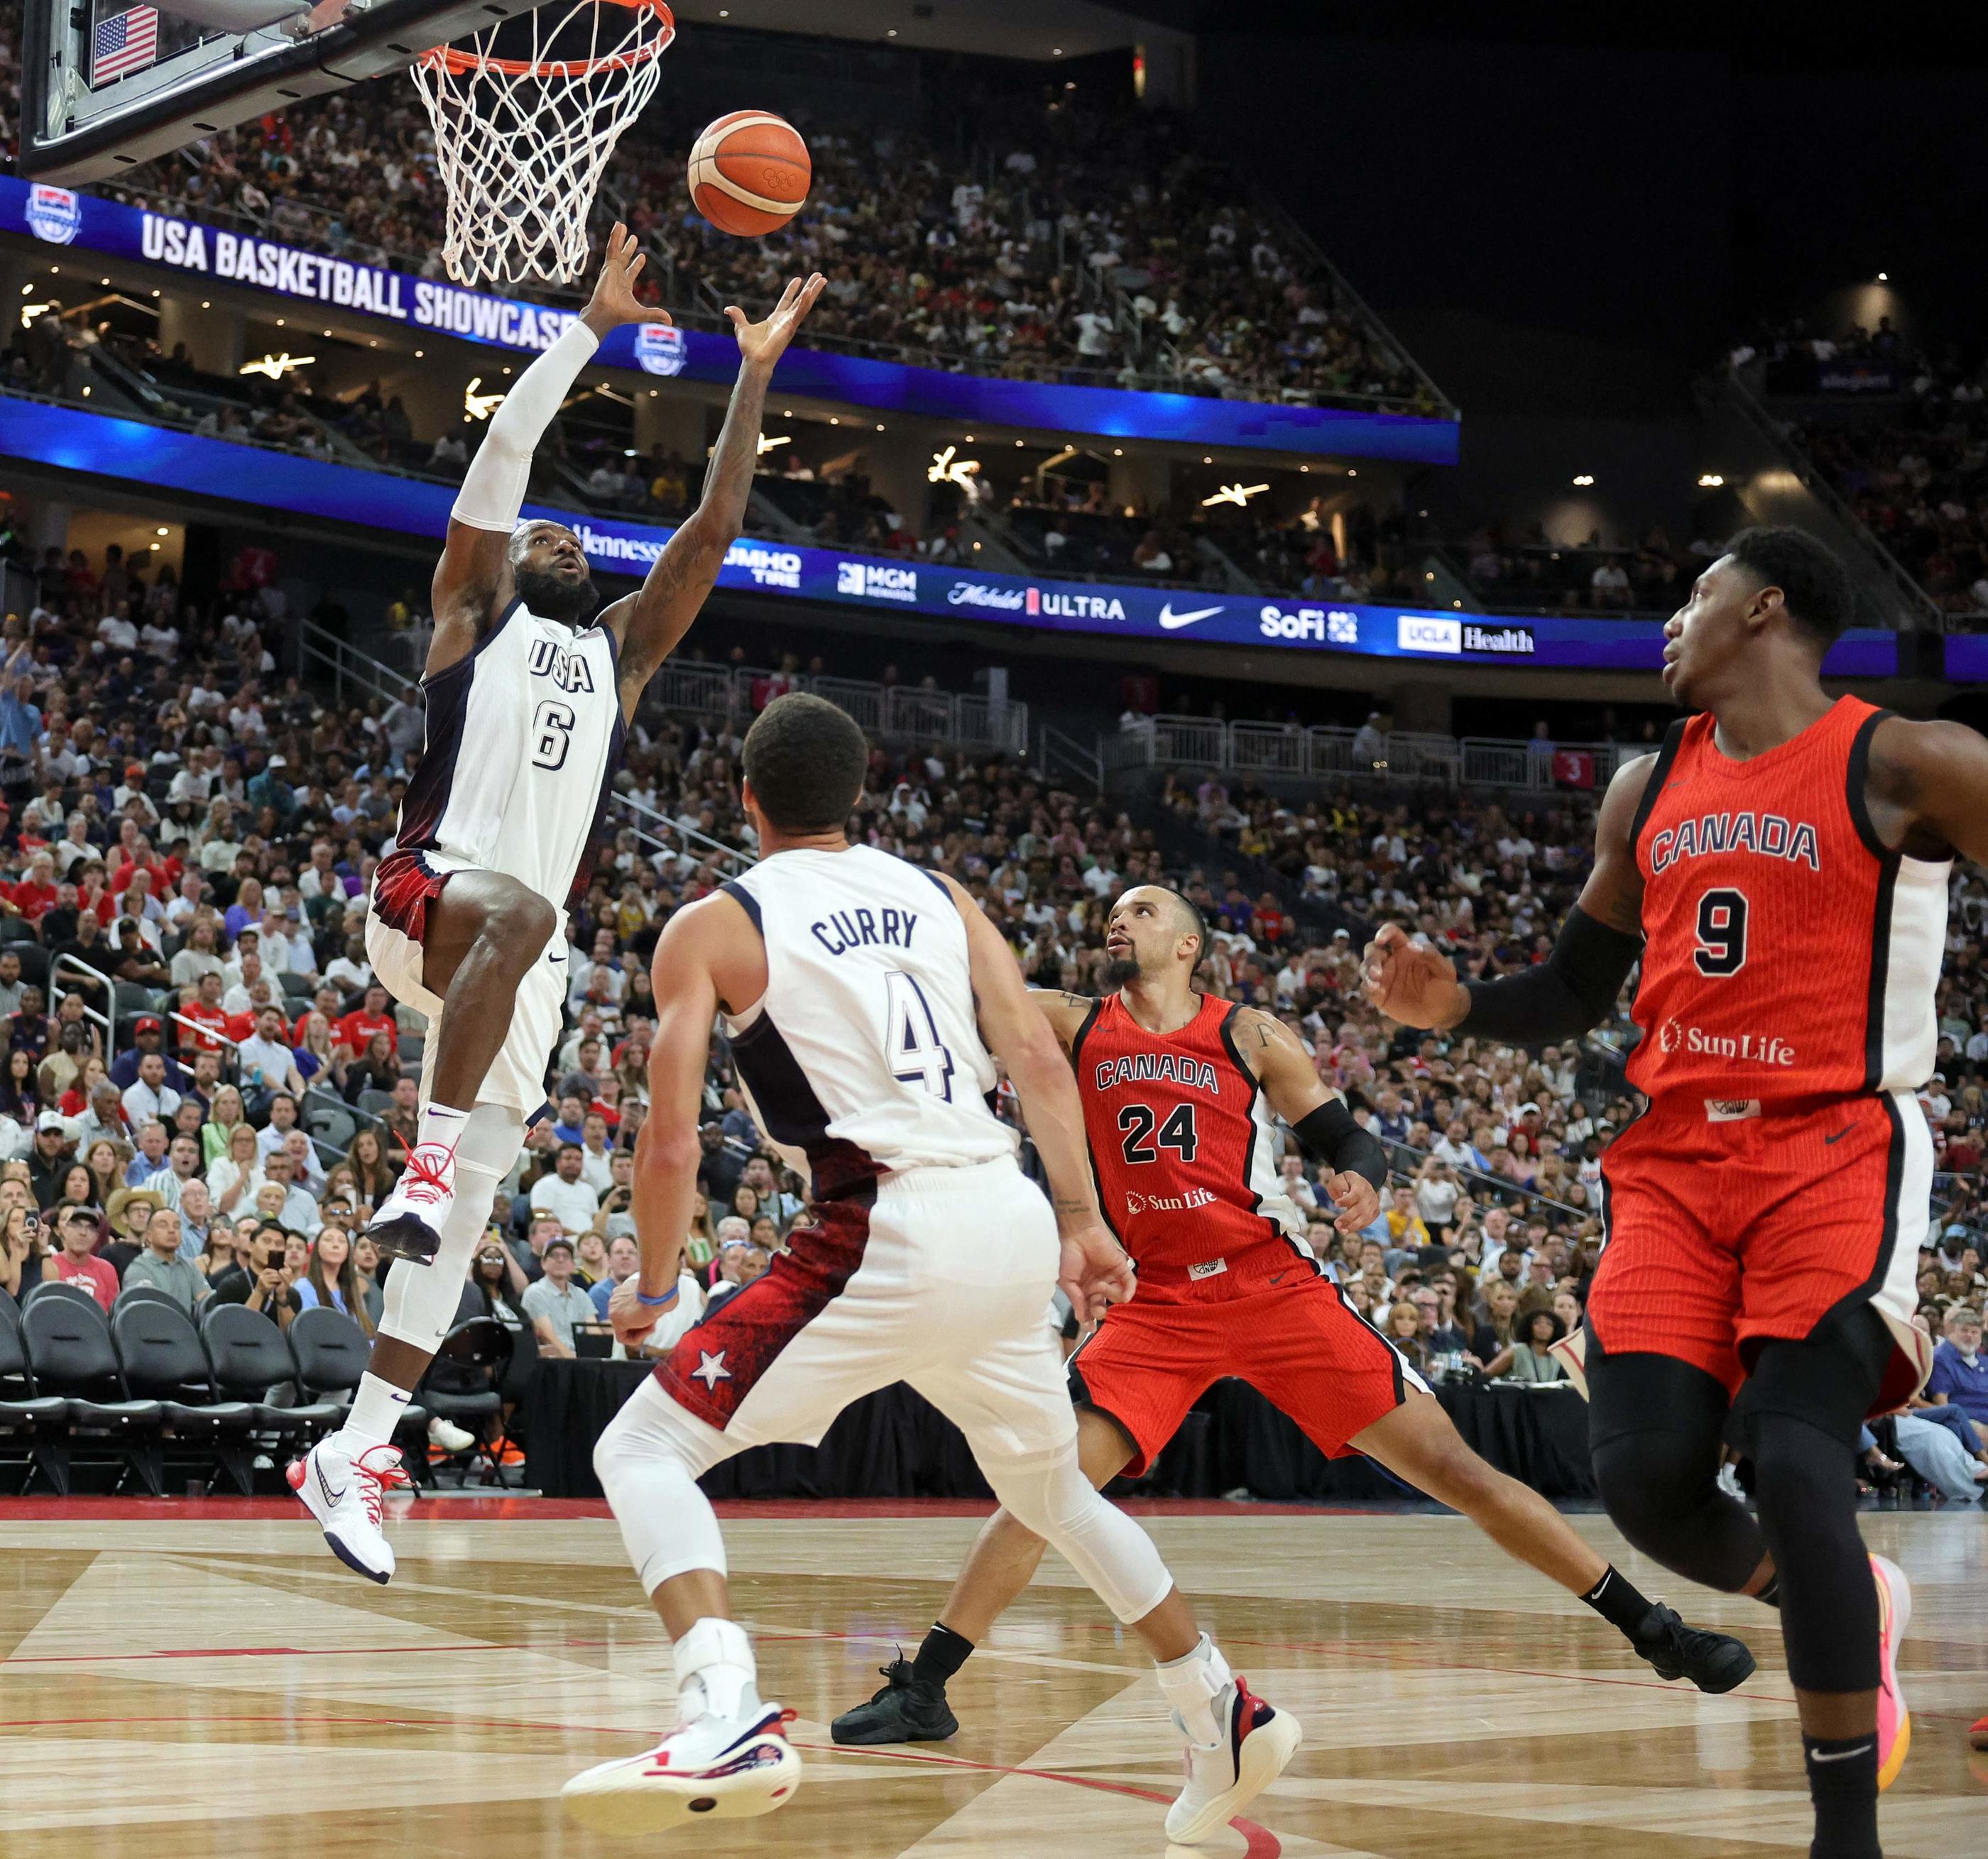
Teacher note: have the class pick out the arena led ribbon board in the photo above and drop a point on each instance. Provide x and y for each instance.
(217, 255)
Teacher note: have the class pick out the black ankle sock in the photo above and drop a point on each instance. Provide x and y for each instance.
(1619, 1603)
(1769, 1596)
(1843, 1783)
(942, 1653)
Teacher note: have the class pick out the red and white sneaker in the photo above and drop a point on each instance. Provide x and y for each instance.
(346, 1494)
(1895, 1722)
(716, 1769)
(1224, 1778)
(407, 1224)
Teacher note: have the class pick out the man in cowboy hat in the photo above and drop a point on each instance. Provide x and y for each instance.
(127, 1212)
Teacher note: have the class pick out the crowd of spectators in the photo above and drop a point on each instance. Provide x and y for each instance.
(1902, 436)
(1020, 232)
(1530, 572)
(187, 837)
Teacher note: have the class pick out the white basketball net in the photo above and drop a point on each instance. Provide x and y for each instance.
(522, 142)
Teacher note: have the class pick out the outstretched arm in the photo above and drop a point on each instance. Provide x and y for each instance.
(1567, 996)
(647, 623)
(1324, 1127)
(472, 580)
(1095, 1271)
(667, 1152)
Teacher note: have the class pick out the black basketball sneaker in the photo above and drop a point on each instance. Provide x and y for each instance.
(908, 1709)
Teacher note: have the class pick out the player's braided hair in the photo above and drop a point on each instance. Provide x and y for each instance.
(806, 760)
(1813, 582)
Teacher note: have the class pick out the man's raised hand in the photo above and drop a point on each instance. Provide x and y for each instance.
(763, 343)
(614, 302)
(1410, 982)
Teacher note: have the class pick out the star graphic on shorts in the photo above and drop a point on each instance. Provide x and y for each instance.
(710, 1369)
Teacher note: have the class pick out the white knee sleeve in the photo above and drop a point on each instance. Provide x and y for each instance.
(648, 1461)
(421, 1300)
(1112, 1554)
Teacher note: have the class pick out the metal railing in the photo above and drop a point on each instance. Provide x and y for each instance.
(1057, 750)
(343, 662)
(1920, 608)
(1327, 751)
(105, 1023)
(212, 1037)
(672, 839)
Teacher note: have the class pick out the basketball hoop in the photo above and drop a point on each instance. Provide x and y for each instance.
(522, 142)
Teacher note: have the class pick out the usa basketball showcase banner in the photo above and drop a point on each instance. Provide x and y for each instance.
(67, 438)
(224, 256)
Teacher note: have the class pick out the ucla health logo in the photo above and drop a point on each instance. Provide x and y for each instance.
(660, 349)
(53, 214)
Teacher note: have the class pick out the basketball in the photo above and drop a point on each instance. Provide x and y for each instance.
(749, 173)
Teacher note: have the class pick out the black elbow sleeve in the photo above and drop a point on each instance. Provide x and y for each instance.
(1572, 992)
(1329, 1135)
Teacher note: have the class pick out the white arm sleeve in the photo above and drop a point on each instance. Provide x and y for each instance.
(493, 489)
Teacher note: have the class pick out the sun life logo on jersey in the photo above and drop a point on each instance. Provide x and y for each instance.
(1171, 1203)
(569, 671)
(1767, 1049)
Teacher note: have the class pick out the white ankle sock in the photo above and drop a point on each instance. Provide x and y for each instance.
(440, 1125)
(715, 1670)
(375, 1412)
(1192, 1683)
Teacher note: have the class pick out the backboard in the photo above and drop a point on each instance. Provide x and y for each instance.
(107, 84)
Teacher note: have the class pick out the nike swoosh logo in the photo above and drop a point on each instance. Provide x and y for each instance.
(1841, 1755)
(330, 1496)
(1277, 1278)
(1827, 1142)
(1173, 621)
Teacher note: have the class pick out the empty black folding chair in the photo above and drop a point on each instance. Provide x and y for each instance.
(164, 1362)
(36, 1424)
(70, 1353)
(462, 1383)
(251, 1359)
(331, 1352)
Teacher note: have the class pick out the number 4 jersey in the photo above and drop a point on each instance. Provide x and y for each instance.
(1789, 954)
(523, 736)
(1185, 1154)
(864, 1057)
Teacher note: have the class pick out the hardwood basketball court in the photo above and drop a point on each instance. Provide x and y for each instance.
(202, 1678)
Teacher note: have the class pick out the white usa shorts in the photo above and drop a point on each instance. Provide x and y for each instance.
(404, 885)
(941, 1283)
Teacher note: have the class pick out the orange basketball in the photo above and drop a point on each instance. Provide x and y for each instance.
(749, 173)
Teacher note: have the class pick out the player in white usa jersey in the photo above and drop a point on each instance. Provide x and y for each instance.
(866, 1001)
(528, 694)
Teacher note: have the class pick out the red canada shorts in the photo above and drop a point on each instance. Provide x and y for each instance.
(1300, 1344)
(1728, 1224)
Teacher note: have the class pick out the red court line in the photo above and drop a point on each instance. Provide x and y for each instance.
(1261, 1843)
(97, 1510)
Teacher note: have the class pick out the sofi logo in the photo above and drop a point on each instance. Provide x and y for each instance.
(1426, 633)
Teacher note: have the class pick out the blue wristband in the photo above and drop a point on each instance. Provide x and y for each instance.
(656, 1303)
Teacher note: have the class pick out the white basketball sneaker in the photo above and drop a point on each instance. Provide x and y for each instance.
(407, 1224)
(346, 1494)
(1223, 1778)
(716, 1769)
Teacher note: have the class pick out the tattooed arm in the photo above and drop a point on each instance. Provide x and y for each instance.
(1927, 789)
(646, 624)
(1066, 1013)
